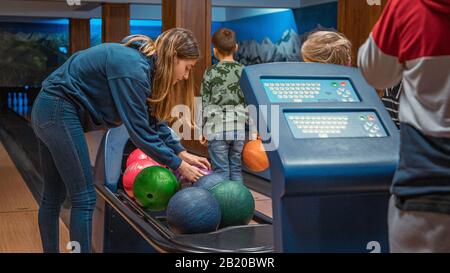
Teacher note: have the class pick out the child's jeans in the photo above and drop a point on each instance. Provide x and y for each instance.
(225, 154)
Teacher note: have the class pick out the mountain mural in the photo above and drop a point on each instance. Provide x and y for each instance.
(27, 58)
(287, 49)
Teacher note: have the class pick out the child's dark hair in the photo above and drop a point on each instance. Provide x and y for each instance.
(224, 40)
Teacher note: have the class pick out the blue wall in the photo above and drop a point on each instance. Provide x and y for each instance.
(215, 26)
(308, 18)
(274, 26)
(151, 28)
(96, 32)
(43, 26)
(271, 25)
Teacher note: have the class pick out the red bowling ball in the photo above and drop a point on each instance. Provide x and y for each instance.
(132, 171)
(137, 155)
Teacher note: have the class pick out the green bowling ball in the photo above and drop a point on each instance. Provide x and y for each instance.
(154, 186)
(236, 203)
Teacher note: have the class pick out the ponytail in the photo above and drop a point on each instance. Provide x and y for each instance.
(142, 43)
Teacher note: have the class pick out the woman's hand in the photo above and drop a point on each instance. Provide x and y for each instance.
(203, 141)
(189, 172)
(195, 160)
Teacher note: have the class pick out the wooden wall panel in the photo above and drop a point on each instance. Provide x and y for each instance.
(356, 19)
(115, 22)
(79, 34)
(194, 15)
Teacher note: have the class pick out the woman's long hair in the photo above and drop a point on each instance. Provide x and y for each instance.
(176, 42)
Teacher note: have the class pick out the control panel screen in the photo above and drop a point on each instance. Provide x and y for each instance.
(309, 90)
(335, 124)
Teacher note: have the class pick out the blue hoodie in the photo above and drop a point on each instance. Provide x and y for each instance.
(110, 84)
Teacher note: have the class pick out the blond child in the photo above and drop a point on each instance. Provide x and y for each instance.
(327, 47)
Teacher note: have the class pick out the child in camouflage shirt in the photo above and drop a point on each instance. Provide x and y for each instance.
(224, 108)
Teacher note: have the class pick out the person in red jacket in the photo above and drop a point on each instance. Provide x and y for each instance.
(411, 41)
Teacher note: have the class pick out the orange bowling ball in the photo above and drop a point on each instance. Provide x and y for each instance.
(254, 156)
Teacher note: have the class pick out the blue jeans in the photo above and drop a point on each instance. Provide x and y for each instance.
(66, 167)
(225, 157)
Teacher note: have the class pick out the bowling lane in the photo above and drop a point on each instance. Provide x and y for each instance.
(263, 203)
(21, 101)
(19, 232)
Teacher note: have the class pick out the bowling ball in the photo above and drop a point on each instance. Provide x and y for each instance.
(193, 210)
(183, 180)
(209, 181)
(154, 186)
(137, 155)
(254, 156)
(236, 203)
(132, 171)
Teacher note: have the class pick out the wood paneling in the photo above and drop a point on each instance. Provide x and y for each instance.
(263, 203)
(14, 194)
(356, 19)
(79, 34)
(115, 22)
(194, 15)
(19, 231)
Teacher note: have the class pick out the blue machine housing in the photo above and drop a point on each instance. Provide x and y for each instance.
(111, 232)
(328, 194)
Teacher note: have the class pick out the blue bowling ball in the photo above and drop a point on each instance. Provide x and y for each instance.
(193, 210)
(207, 182)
